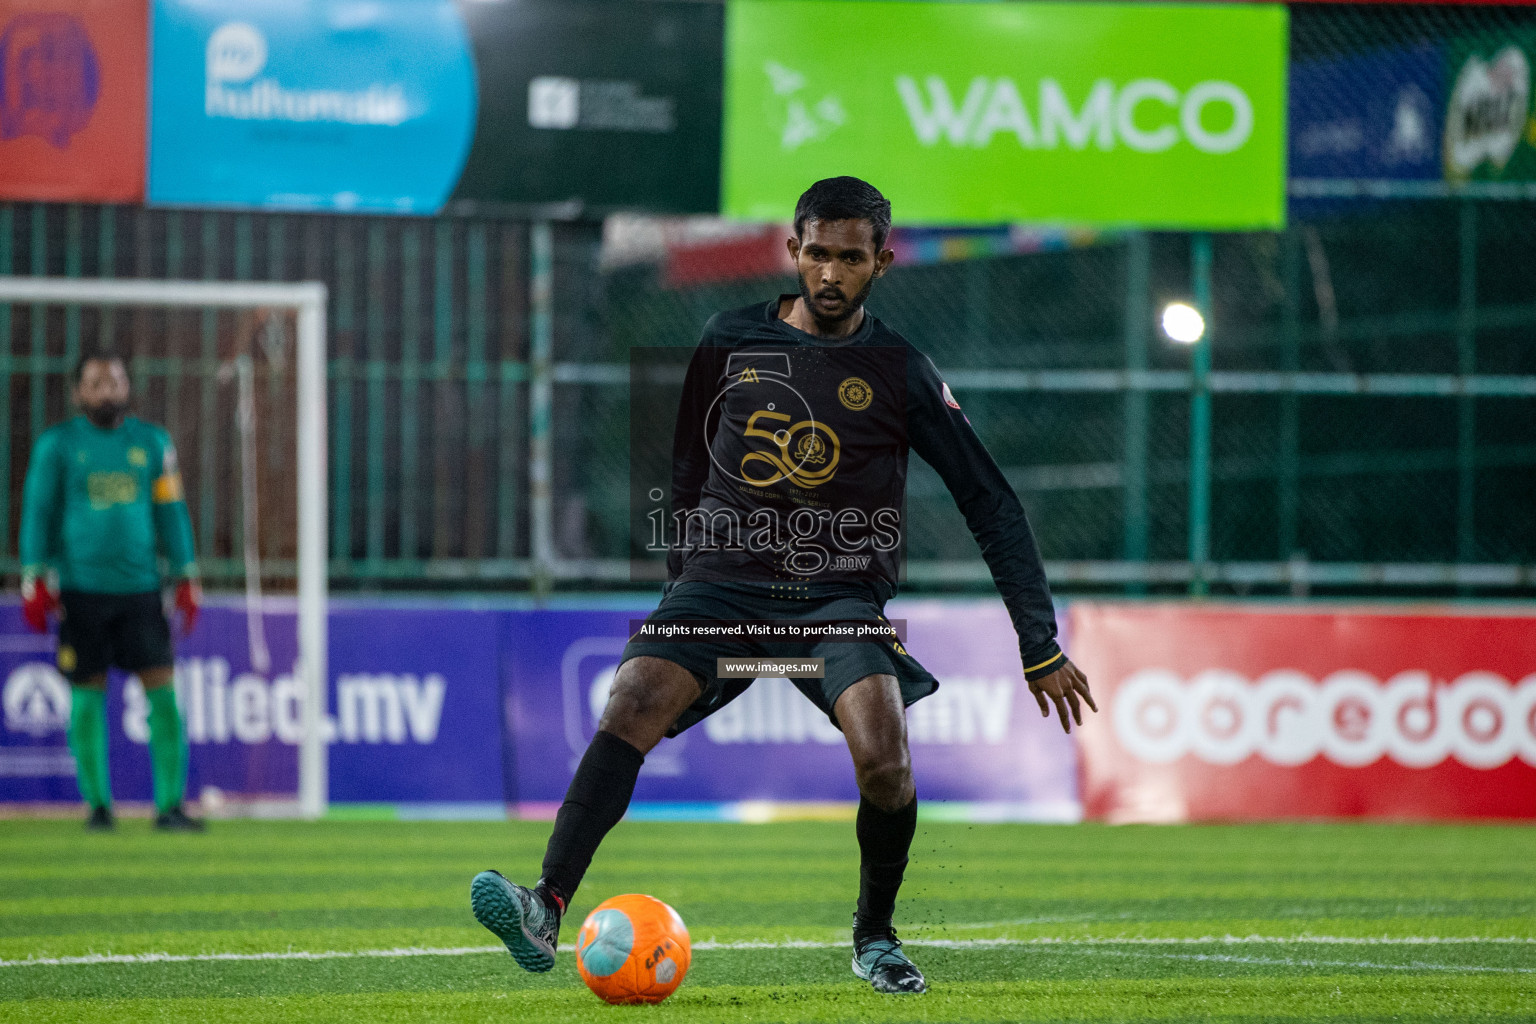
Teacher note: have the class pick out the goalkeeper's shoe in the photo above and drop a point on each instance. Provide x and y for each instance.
(176, 820)
(519, 917)
(878, 959)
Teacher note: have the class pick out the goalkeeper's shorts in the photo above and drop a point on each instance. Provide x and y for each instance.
(102, 631)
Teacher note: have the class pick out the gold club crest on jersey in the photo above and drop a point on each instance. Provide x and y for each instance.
(811, 449)
(855, 393)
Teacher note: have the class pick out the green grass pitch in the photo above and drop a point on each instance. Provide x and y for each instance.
(1010, 923)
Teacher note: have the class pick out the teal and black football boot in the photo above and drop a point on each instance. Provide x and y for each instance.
(879, 960)
(519, 918)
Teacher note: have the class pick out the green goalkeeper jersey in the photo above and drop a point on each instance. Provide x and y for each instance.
(101, 504)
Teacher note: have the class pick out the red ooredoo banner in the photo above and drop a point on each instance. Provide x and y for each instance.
(1234, 713)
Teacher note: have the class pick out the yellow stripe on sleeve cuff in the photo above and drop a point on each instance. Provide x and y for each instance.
(1047, 661)
(1046, 667)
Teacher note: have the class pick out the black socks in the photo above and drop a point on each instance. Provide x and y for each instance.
(596, 800)
(600, 793)
(884, 839)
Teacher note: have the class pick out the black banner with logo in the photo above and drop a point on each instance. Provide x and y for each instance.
(600, 105)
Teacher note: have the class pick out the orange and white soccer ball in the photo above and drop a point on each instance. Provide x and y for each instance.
(633, 949)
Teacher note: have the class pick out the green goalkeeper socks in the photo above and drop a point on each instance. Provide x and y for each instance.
(167, 748)
(88, 742)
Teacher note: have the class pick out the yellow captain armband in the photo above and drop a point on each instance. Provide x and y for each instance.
(166, 489)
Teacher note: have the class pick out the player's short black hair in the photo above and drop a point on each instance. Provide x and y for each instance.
(845, 198)
(94, 356)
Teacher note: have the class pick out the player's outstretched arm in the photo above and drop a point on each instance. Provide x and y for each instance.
(942, 436)
(1067, 687)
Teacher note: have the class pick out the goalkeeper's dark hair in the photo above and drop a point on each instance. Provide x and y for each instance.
(96, 356)
(845, 198)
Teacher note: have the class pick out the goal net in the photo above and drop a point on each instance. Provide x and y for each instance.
(236, 373)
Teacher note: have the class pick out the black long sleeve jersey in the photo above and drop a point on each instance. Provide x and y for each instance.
(789, 468)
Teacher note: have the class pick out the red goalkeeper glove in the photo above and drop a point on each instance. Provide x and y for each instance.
(37, 600)
(189, 601)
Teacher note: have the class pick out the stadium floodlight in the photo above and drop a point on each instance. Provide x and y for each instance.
(308, 301)
(1183, 323)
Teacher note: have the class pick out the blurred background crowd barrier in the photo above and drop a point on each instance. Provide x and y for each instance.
(1383, 440)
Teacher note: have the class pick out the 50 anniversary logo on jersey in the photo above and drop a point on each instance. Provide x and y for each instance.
(807, 454)
(805, 451)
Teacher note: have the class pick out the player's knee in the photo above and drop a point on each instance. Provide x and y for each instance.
(627, 704)
(887, 783)
(645, 701)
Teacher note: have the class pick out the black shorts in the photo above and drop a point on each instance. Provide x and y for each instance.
(846, 661)
(98, 631)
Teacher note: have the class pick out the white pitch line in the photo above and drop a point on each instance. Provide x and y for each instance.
(1239, 940)
(292, 954)
(710, 945)
(1416, 965)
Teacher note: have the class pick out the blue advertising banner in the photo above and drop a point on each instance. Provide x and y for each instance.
(1375, 115)
(309, 105)
(414, 709)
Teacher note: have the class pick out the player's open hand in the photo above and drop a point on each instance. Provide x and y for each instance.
(1067, 687)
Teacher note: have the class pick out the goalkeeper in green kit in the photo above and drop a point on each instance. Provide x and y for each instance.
(103, 501)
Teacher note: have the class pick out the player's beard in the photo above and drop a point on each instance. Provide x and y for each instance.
(848, 310)
(106, 414)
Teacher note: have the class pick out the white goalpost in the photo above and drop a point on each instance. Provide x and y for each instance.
(307, 300)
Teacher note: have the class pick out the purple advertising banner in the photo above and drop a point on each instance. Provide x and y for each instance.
(34, 713)
(437, 703)
(242, 726)
(415, 693)
(414, 699)
(979, 741)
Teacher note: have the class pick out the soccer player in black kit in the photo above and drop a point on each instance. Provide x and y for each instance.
(788, 474)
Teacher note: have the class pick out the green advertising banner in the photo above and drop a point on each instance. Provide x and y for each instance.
(1065, 113)
(1490, 122)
